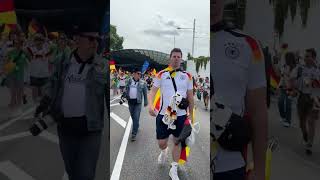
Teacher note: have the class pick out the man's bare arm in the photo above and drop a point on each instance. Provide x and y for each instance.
(151, 95)
(257, 107)
(191, 103)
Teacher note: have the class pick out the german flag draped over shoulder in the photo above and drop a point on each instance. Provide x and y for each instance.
(274, 78)
(7, 15)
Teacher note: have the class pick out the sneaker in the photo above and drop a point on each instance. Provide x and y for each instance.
(173, 173)
(285, 124)
(309, 152)
(133, 137)
(25, 101)
(308, 148)
(305, 138)
(162, 158)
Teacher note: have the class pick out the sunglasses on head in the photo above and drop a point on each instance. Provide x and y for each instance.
(90, 37)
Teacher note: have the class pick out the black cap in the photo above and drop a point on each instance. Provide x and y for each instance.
(136, 70)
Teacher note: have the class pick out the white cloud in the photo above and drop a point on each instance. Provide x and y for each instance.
(152, 24)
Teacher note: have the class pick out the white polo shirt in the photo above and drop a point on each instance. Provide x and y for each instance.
(39, 65)
(163, 81)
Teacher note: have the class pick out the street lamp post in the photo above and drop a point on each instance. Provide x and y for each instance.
(193, 34)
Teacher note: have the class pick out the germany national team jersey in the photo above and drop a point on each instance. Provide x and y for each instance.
(163, 81)
(237, 65)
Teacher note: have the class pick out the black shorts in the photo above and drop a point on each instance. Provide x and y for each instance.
(162, 129)
(237, 174)
(122, 87)
(38, 82)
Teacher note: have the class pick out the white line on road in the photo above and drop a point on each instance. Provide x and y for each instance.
(49, 136)
(13, 172)
(65, 176)
(5, 125)
(14, 136)
(117, 97)
(119, 161)
(111, 105)
(118, 120)
(126, 105)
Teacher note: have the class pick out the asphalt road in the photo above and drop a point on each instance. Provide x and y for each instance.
(138, 160)
(25, 157)
(290, 160)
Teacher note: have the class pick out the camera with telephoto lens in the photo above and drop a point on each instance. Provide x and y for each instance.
(123, 98)
(41, 124)
(42, 118)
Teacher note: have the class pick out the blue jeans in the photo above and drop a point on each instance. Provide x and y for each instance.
(284, 106)
(135, 110)
(80, 153)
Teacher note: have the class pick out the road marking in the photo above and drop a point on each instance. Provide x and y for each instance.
(118, 120)
(118, 97)
(13, 172)
(119, 161)
(14, 136)
(49, 136)
(126, 105)
(5, 125)
(65, 176)
(111, 105)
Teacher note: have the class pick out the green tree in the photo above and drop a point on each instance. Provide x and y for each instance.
(189, 57)
(282, 8)
(116, 41)
(201, 62)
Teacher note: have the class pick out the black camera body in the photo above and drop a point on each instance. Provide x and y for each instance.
(123, 98)
(41, 124)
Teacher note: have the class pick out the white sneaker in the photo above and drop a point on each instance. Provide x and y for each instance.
(282, 120)
(173, 173)
(162, 158)
(285, 124)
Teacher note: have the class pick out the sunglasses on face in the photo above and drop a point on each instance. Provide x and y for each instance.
(91, 38)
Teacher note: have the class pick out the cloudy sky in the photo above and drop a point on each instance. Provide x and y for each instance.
(152, 24)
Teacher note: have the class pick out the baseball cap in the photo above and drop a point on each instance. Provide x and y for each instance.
(135, 70)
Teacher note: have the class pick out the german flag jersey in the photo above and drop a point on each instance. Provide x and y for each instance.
(163, 81)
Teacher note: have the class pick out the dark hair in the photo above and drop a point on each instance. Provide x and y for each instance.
(312, 51)
(290, 60)
(175, 50)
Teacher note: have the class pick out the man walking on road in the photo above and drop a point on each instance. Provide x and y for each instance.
(76, 102)
(171, 81)
(238, 73)
(308, 101)
(135, 90)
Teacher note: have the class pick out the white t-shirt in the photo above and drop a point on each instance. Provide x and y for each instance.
(237, 65)
(286, 75)
(163, 81)
(39, 65)
(206, 86)
(133, 89)
(122, 81)
(73, 101)
(304, 82)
